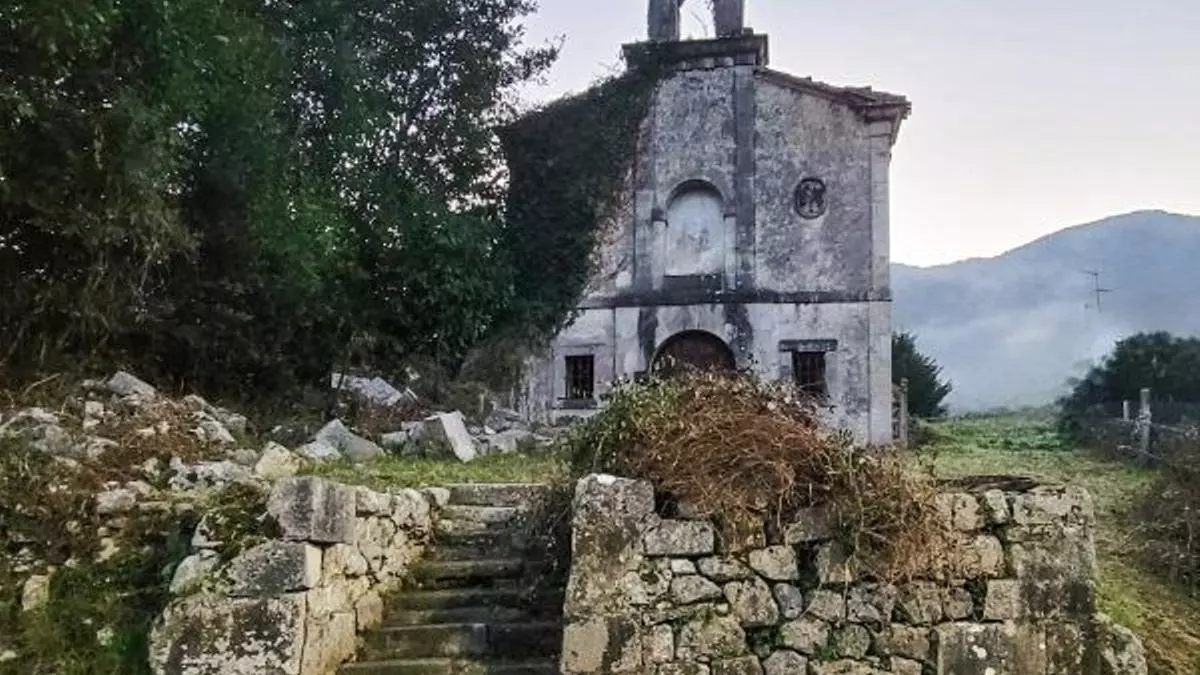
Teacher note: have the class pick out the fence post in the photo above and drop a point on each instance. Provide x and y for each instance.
(904, 412)
(1144, 423)
(1126, 409)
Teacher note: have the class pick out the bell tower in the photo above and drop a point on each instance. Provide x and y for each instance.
(729, 17)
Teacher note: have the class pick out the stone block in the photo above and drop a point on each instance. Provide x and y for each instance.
(710, 637)
(721, 570)
(683, 669)
(806, 635)
(988, 649)
(371, 503)
(682, 566)
(826, 604)
(776, 563)
(790, 600)
(680, 538)
(447, 433)
(957, 603)
(870, 603)
(329, 642)
(901, 666)
(785, 662)
(852, 640)
(602, 645)
(349, 445)
(920, 603)
(752, 603)
(746, 665)
(274, 568)
(190, 572)
(124, 384)
(843, 667)
(217, 635)
(343, 560)
(1003, 600)
(995, 507)
(1053, 505)
(967, 515)
(979, 557)
(658, 645)
(311, 509)
(1057, 575)
(368, 611)
(692, 588)
(910, 642)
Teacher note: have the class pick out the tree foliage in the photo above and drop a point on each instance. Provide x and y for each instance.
(926, 388)
(240, 193)
(1169, 365)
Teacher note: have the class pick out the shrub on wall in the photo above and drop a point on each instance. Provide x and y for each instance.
(752, 455)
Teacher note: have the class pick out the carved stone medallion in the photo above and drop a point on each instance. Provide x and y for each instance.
(810, 198)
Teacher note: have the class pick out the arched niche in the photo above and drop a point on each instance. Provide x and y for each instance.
(693, 349)
(694, 238)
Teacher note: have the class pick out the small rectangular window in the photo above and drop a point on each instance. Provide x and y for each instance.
(581, 372)
(808, 369)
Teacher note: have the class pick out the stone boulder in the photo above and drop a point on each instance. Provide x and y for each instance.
(446, 435)
(375, 390)
(277, 462)
(124, 384)
(350, 445)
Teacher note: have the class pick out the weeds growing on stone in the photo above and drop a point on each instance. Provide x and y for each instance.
(750, 454)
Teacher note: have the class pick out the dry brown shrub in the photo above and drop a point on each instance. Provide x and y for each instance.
(739, 450)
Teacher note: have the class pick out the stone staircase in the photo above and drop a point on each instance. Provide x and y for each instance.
(472, 608)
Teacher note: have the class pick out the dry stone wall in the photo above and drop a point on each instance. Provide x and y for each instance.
(654, 595)
(292, 605)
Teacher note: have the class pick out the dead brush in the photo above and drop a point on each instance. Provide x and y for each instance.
(737, 449)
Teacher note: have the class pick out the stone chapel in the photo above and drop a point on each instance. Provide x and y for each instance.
(756, 234)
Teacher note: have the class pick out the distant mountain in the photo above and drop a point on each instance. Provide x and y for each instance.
(1011, 330)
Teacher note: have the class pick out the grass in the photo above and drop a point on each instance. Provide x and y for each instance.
(395, 472)
(1164, 615)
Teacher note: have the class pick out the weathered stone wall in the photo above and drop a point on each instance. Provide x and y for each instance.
(652, 595)
(295, 604)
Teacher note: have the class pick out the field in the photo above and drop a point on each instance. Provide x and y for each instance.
(1165, 616)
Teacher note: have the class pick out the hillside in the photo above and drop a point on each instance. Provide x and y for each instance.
(1010, 330)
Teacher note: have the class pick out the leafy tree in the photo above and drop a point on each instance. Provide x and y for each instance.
(1167, 364)
(926, 389)
(240, 193)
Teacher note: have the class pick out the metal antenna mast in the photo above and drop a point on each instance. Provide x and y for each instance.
(1098, 289)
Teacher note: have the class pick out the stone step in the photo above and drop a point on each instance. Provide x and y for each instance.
(456, 573)
(459, 640)
(451, 667)
(444, 528)
(496, 494)
(454, 598)
(474, 614)
(491, 515)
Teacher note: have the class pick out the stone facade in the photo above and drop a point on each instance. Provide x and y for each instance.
(293, 605)
(648, 595)
(755, 219)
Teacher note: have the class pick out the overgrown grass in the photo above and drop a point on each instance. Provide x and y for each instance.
(1164, 614)
(393, 471)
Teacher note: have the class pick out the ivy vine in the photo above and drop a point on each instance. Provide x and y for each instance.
(567, 166)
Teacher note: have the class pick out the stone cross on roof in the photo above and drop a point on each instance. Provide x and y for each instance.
(663, 19)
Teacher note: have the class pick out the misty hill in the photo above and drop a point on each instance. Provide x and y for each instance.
(1010, 330)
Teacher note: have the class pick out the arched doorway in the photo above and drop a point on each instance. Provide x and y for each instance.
(695, 349)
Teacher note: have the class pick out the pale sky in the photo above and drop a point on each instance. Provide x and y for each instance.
(1028, 115)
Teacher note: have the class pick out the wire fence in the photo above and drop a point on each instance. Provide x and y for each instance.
(1158, 434)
